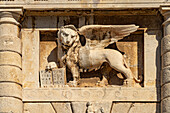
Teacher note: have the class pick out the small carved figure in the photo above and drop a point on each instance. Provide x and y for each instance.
(92, 55)
(90, 108)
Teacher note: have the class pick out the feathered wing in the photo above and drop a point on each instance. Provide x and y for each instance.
(100, 36)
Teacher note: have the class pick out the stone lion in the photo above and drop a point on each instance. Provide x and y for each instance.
(93, 54)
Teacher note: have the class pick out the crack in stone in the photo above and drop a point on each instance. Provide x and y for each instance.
(53, 107)
(132, 105)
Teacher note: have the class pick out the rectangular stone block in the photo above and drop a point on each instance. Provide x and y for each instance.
(135, 108)
(165, 91)
(10, 104)
(91, 94)
(10, 43)
(38, 108)
(152, 58)
(165, 75)
(62, 107)
(10, 73)
(30, 58)
(165, 59)
(8, 89)
(10, 58)
(165, 105)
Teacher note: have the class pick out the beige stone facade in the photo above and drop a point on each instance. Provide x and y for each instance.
(28, 43)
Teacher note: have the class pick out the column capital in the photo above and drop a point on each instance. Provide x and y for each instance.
(10, 15)
(16, 12)
(165, 11)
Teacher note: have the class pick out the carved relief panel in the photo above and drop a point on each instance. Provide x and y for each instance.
(131, 49)
(40, 58)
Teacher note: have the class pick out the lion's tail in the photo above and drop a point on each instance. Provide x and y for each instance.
(136, 79)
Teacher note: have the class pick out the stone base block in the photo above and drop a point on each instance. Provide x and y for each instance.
(165, 44)
(10, 105)
(10, 43)
(166, 59)
(165, 105)
(165, 91)
(8, 89)
(79, 107)
(62, 107)
(135, 108)
(39, 108)
(165, 75)
(10, 73)
(10, 58)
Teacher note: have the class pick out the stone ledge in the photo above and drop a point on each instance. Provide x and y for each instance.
(53, 4)
(91, 94)
(14, 9)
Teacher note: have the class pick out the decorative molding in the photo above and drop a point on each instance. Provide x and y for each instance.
(92, 94)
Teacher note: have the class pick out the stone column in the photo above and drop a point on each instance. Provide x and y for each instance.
(165, 53)
(10, 62)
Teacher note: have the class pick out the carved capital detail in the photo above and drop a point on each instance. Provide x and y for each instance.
(10, 15)
(165, 11)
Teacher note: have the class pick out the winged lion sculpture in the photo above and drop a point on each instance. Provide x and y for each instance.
(92, 55)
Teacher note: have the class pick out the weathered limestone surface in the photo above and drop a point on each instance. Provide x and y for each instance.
(165, 105)
(135, 108)
(10, 43)
(10, 73)
(83, 107)
(62, 107)
(11, 104)
(152, 60)
(10, 90)
(84, 4)
(166, 78)
(14, 59)
(165, 87)
(30, 62)
(39, 108)
(10, 62)
(91, 94)
(68, 99)
(79, 107)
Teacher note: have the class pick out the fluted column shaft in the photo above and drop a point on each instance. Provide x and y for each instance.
(165, 53)
(10, 63)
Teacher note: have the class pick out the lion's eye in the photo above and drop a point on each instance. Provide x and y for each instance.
(65, 34)
(72, 36)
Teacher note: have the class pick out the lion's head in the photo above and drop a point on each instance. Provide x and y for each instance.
(68, 35)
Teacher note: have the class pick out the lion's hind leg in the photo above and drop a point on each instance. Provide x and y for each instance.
(126, 73)
(118, 63)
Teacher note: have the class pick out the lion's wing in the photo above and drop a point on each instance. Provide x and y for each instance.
(100, 36)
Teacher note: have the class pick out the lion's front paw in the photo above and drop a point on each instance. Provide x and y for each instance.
(103, 83)
(72, 83)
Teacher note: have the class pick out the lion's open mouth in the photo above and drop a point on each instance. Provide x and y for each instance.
(65, 45)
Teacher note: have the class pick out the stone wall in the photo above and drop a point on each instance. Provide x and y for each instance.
(112, 99)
